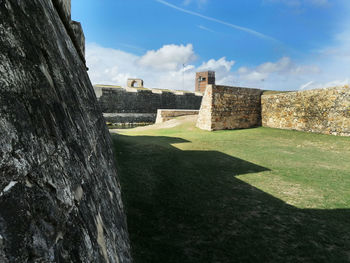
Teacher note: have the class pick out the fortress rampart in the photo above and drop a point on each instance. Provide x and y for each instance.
(60, 197)
(322, 110)
(140, 104)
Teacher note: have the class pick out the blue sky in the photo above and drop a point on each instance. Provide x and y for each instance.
(270, 44)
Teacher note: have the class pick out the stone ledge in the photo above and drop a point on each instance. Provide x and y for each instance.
(168, 114)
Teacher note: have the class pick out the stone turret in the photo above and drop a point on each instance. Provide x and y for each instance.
(203, 79)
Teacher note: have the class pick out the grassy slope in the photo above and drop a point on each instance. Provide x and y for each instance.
(257, 195)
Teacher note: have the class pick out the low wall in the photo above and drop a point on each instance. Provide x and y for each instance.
(129, 117)
(133, 100)
(225, 107)
(165, 115)
(323, 111)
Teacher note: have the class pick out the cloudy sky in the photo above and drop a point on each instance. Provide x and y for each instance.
(268, 44)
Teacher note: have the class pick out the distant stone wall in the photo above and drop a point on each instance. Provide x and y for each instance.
(133, 100)
(165, 115)
(323, 111)
(134, 118)
(226, 107)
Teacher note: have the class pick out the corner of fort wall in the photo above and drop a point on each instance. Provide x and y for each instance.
(225, 107)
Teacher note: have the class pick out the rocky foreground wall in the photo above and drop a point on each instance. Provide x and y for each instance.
(144, 101)
(323, 111)
(225, 107)
(59, 192)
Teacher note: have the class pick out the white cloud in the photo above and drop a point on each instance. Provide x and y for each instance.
(284, 64)
(217, 65)
(109, 66)
(162, 68)
(169, 57)
(283, 74)
(340, 50)
(322, 85)
(171, 66)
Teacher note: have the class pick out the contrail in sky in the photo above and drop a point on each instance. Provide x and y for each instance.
(248, 30)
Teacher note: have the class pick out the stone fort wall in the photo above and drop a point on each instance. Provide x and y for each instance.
(225, 107)
(323, 111)
(57, 172)
(141, 105)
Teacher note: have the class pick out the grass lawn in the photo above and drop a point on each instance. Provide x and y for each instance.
(255, 195)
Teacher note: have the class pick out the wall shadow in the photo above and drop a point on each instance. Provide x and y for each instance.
(187, 206)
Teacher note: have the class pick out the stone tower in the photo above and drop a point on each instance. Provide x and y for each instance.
(203, 79)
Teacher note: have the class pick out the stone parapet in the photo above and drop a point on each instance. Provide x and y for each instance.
(225, 107)
(324, 111)
(142, 100)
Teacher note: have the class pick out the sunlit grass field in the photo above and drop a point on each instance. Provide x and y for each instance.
(254, 195)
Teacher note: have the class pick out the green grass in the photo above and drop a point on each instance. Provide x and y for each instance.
(255, 195)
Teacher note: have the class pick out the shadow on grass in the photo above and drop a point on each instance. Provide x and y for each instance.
(187, 206)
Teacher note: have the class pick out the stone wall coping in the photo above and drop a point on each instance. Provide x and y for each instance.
(292, 93)
(157, 91)
(234, 88)
(143, 90)
(168, 114)
(177, 110)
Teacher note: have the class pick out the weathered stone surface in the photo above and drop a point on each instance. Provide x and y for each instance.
(119, 118)
(322, 110)
(59, 191)
(165, 115)
(226, 107)
(132, 100)
(79, 36)
(64, 7)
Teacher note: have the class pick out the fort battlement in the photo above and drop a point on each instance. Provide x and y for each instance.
(121, 105)
(110, 88)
